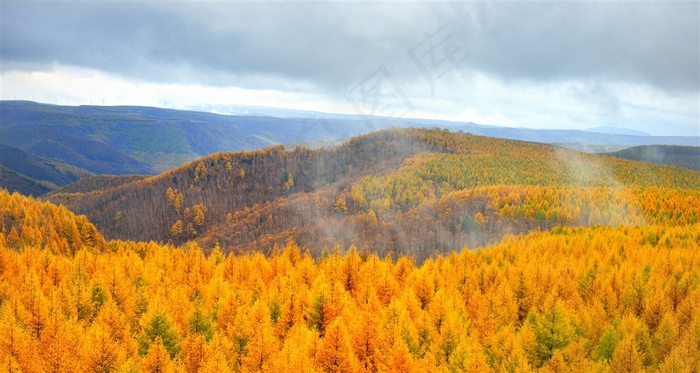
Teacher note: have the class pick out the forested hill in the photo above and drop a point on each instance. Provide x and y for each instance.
(405, 191)
(26, 222)
(225, 183)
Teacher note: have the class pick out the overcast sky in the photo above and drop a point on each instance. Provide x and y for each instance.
(540, 65)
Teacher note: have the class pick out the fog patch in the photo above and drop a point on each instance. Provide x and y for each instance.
(618, 203)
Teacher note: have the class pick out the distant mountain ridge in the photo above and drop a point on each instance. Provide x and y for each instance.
(38, 168)
(618, 131)
(682, 156)
(578, 136)
(145, 140)
(127, 140)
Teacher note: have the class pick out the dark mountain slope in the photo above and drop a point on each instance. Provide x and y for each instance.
(16, 182)
(682, 156)
(40, 169)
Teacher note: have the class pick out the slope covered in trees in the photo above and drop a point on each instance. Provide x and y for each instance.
(32, 175)
(224, 183)
(25, 221)
(97, 183)
(121, 140)
(16, 182)
(400, 191)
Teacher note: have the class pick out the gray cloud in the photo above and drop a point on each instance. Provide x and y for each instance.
(205, 43)
(652, 43)
(333, 45)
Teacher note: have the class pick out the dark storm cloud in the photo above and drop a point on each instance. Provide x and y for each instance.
(331, 45)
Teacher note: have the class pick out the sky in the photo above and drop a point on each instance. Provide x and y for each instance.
(564, 65)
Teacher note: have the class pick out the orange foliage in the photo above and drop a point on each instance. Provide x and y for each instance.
(580, 297)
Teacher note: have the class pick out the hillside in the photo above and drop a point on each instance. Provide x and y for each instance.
(400, 191)
(144, 140)
(26, 222)
(225, 182)
(681, 156)
(16, 182)
(35, 171)
(97, 183)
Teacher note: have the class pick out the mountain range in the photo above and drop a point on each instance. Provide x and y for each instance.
(64, 143)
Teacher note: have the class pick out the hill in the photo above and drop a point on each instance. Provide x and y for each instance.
(97, 183)
(618, 131)
(45, 173)
(682, 156)
(26, 222)
(399, 191)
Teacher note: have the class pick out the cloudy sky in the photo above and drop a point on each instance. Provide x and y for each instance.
(540, 65)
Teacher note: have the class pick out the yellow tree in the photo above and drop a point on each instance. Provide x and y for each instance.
(506, 350)
(216, 363)
(100, 352)
(199, 215)
(60, 345)
(157, 360)
(400, 359)
(176, 229)
(115, 324)
(341, 204)
(626, 357)
(365, 340)
(16, 347)
(193, 352)
(335, 354)
(218, 354)
(263, 343)
(297, 354)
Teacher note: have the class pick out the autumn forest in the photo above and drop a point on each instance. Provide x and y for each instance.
(403, 250)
